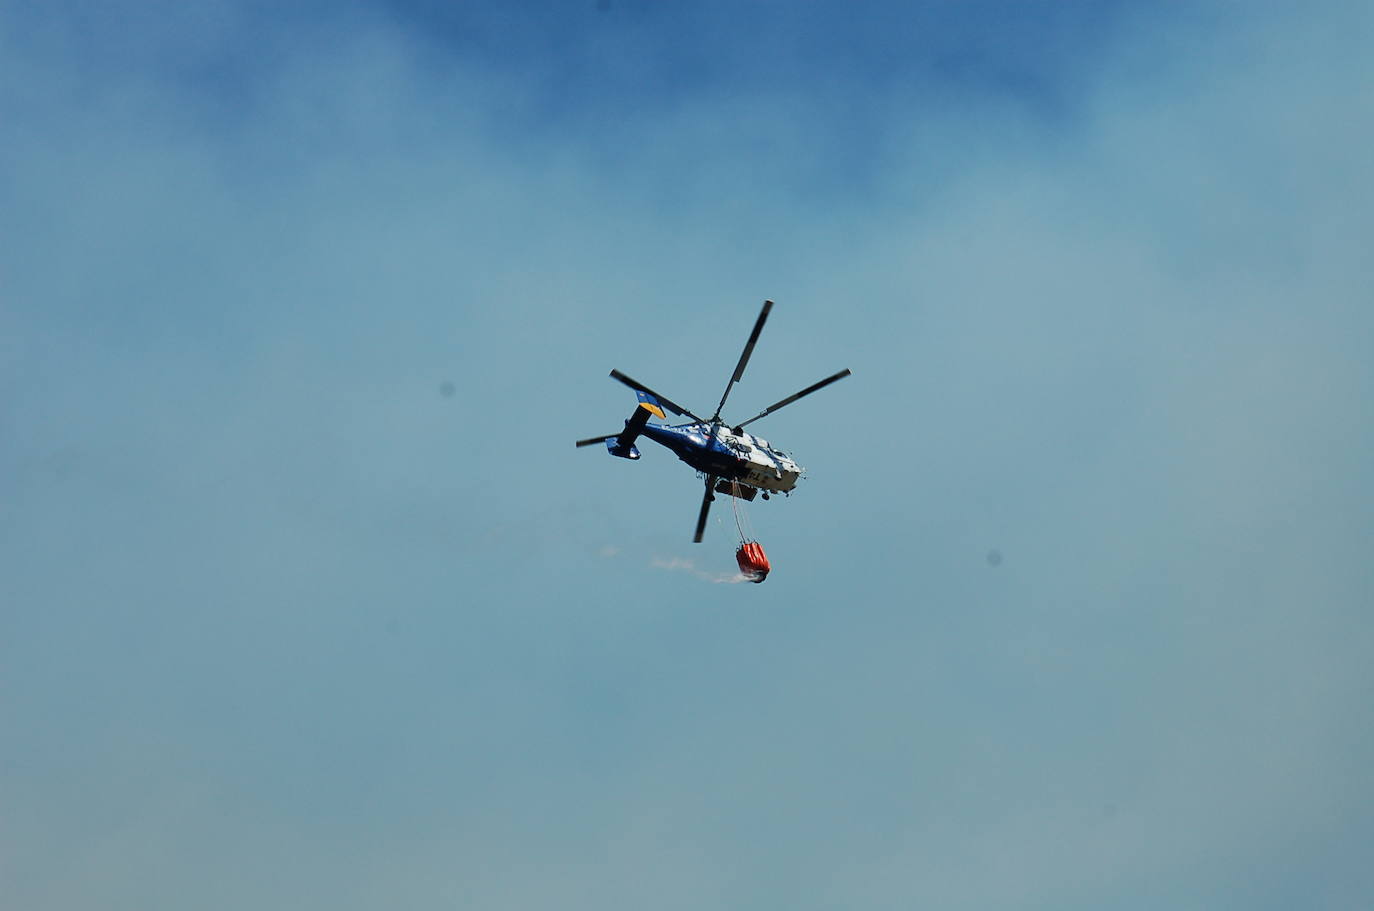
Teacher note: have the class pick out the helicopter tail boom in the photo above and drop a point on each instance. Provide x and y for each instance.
(623, 444)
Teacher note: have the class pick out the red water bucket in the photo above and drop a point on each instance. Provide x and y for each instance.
(753, 562)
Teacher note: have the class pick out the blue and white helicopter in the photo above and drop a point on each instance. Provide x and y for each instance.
(733, 462)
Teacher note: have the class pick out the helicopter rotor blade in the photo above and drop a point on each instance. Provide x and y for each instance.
(744, 357)
(590, 441)
(662, 399)
(705, 508)
(792, 398)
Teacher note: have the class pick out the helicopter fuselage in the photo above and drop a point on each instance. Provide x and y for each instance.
(740, 456)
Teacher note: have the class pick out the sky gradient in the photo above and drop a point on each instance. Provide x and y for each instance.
(307, 601)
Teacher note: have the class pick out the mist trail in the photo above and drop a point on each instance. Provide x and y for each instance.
(686, 564)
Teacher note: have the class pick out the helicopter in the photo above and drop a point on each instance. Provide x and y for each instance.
(733, 462)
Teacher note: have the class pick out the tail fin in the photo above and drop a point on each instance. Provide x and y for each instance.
(623, 445)
(650, 404)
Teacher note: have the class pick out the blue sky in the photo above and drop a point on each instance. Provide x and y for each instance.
(283, 625)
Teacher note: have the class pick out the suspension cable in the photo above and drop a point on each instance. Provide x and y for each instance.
(742, 523)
